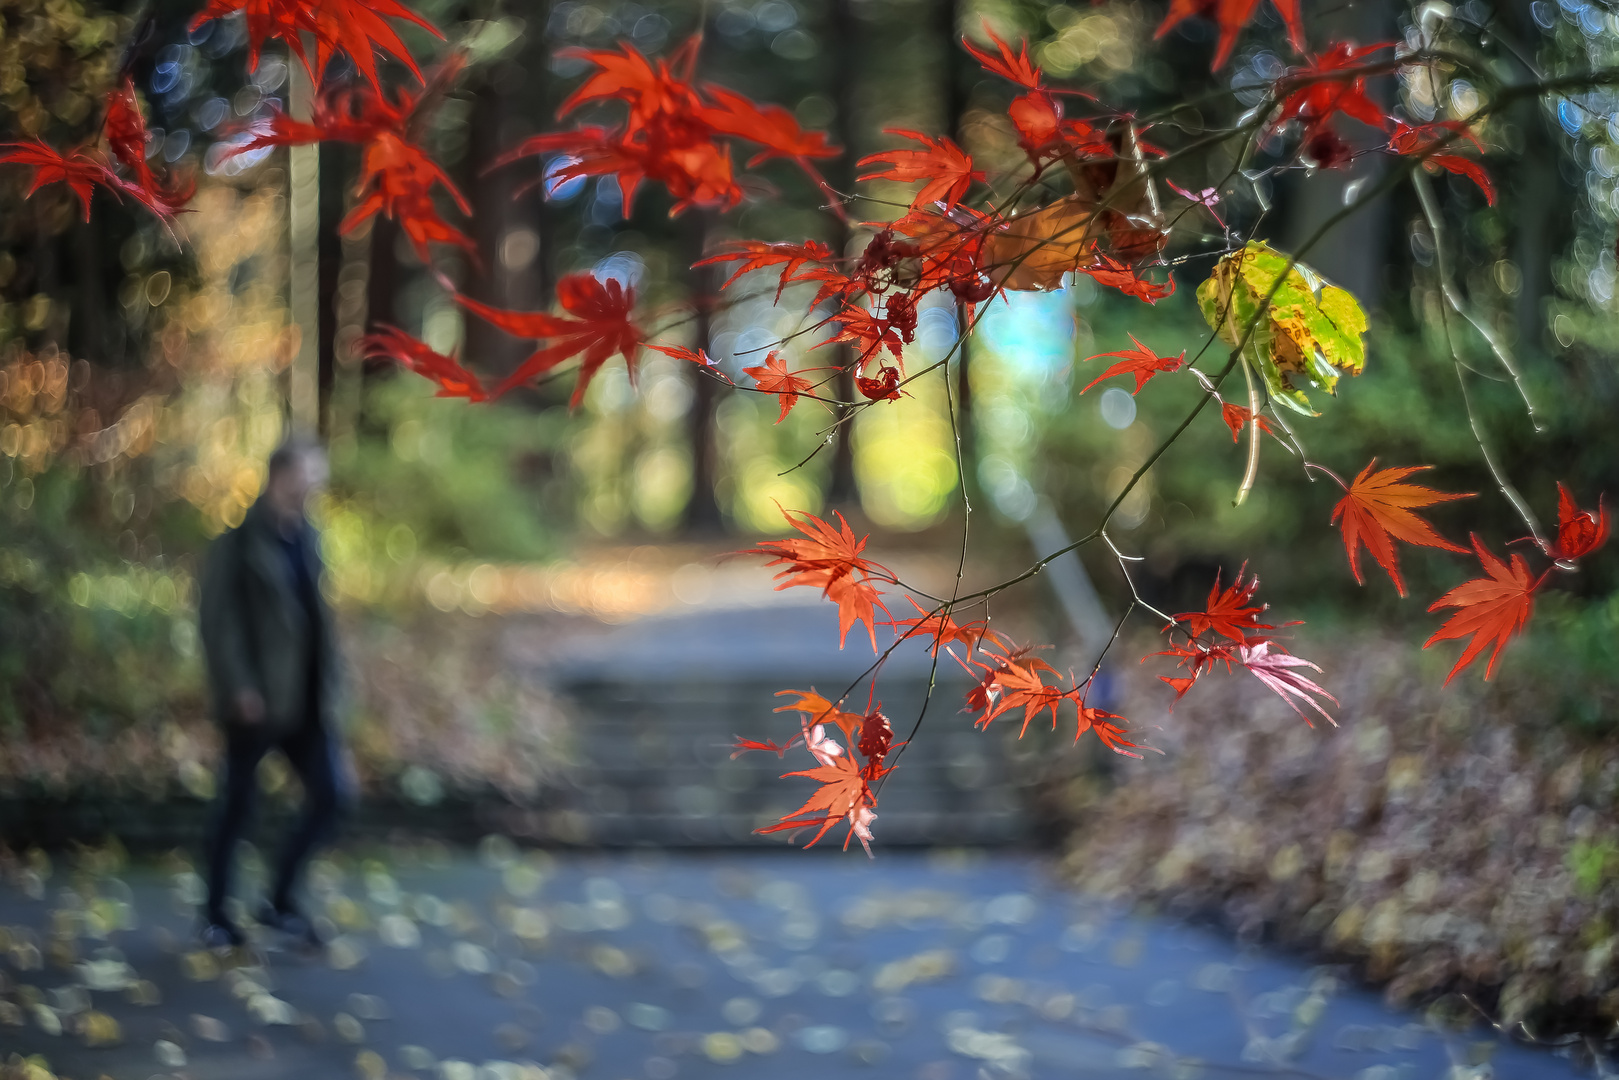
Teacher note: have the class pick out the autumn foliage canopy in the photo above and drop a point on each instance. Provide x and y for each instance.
(1097, 195)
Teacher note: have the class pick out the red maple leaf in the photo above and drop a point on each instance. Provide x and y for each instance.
(885, 388)
(1198, 657)
(1228, 613)
(945, 167)
(699, 357)
(1141, 362)
(1377, 510)
(1579, 532)
(397, 180)
(771, 126)
(357, 115)
(829, 559)
(772, 377)
(1232, 16)
(392, 343)
(1108, 271)
(1018, 68)
(1275, 670)
(355, 27)
(1037, 115)
(670, 131)
(1423, 141)
(760, 255)
(127, 138)
(1327, 86)
(81, 170)
(871, 333)
(1493, 608)
(1237, 417)
(599, 327)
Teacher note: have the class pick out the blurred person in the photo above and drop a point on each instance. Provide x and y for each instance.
(273, 672)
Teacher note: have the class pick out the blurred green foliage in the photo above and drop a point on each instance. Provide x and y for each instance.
(432, 478)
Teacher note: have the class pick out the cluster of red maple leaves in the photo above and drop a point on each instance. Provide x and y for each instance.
(683, 134)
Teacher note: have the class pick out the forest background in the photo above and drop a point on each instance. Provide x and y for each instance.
(144, 384)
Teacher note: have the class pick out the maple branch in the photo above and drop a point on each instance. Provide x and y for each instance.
(1387, 183)
(948, 608)
(1308, 465)
(1118, 628)
(1453, 299)
(1135, 594)
(1430, 211)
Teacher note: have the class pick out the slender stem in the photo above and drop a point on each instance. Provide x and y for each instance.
(1251, 473)
(1430, 210)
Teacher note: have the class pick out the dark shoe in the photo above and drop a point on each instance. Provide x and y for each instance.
(219, 934)
(292, 923)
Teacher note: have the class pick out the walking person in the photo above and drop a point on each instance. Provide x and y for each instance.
(273, 672)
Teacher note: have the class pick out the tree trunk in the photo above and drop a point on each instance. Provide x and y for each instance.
(334, 178)
(703, 508)
(841, 490)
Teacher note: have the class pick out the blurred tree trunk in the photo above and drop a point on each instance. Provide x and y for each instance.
(1354, 253)
(381, 286)
(1534, 189)
(703, 508)
(482, 344)
(89, 332)
(841, 489)
(953, 104)
(334, 179)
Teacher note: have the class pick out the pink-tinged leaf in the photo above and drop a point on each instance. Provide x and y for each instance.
(1277, 671)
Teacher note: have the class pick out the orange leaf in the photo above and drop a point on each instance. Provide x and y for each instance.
(772, 377)
(1035, 250)
(1377, 510)
(818, 710)
(945, 631)
(1141, 362)
(1493, 608)
(844, 795)
(1112, 735)
(829, 558)
(945, 167)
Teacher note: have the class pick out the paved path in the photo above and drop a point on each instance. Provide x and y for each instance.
(508, 966)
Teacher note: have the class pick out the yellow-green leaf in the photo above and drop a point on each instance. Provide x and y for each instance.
(1311, 332)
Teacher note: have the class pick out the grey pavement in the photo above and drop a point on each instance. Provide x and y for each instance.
(502, 964)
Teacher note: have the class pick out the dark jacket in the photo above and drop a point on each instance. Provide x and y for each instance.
(257, 633)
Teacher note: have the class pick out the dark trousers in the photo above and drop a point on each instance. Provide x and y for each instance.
(313, 754)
